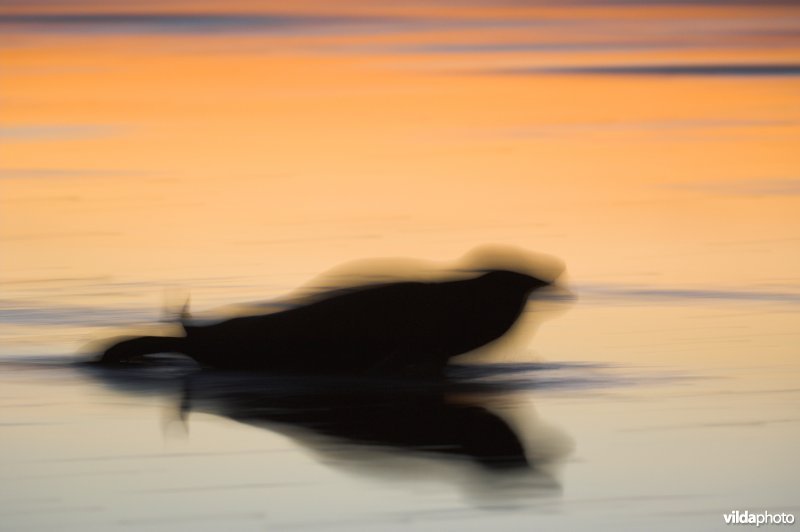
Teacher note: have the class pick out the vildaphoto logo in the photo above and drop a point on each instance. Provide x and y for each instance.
(746, 517)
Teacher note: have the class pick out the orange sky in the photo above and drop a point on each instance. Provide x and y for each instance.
(153, 151)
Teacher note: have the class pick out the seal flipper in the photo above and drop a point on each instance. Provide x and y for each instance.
(135, 349)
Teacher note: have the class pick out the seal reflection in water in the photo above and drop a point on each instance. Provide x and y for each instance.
(407, 328)
(478, 435)
(391, 428)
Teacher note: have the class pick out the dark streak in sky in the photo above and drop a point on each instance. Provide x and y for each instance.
(175, 22)
(669, 70)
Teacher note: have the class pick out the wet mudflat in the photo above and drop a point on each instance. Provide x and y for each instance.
(654, 439)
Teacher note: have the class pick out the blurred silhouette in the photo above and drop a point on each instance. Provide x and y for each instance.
(406, 327)
(378, 426)
(377, 412)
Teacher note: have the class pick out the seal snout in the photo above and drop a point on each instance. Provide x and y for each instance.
(514, 281)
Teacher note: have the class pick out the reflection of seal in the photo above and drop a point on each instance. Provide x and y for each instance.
(405, 327)
(375, 412)
(485, 440)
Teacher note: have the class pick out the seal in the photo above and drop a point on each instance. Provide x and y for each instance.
(392, 328)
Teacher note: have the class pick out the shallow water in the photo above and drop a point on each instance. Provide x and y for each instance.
(629, 428)
(233, 153)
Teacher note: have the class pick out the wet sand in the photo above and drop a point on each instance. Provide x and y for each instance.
(659, 438)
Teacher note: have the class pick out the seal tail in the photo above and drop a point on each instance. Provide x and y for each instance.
(135, 349)
(172, 311)
(185, 315)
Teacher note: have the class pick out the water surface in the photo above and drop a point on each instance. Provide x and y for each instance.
(234, 152)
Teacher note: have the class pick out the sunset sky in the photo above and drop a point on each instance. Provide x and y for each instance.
(642, 142)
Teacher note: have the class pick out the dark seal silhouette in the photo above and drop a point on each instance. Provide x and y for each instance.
(410, 328)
